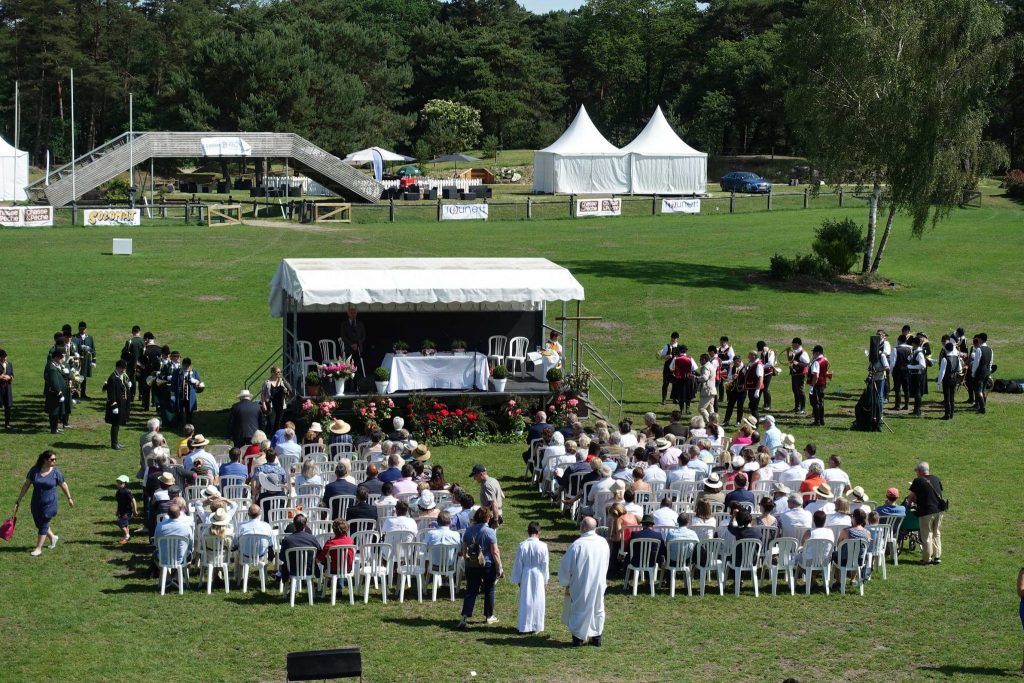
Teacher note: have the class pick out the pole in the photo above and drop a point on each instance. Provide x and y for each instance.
(74, 185)
(47, 182)
(131, 137)
(17, 116)
(152, 182)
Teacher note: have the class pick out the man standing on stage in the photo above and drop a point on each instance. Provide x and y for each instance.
(753, 382)
(117, 387)
(949, 378)
(6, 395)
(353, 334)
(131, 354)
(798, 365)
(817, 378)
(667, 353)
(767, 356)
(85, 346)
(981, 369)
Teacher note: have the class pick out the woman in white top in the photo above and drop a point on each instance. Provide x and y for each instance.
(841, 516)
(627, 439)
(310, 474)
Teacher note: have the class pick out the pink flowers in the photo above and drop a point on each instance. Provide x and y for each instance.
(307, 404)
(341, 370)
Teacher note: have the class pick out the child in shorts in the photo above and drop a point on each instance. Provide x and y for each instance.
(126, 508)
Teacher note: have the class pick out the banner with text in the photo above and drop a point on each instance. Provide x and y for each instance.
(26, 216)
(598, 207)
(464, 212)
(112, 217)
(680, 206)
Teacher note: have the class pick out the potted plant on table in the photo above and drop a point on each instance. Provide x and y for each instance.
(380, 378)
(428, 347)
(313, 383)
(499, 375)
(400, 348)
(458, 346)
(554, 379)
(339, 372)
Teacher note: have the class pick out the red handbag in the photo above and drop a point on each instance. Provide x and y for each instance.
(7, 528)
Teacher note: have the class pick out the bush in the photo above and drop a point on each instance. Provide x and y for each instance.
(116, 190)
(1014, 184)
(382, 374)
(811, 265)
(500, 372)
(839, 244)
(554, 375)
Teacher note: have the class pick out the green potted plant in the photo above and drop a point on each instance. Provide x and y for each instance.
(313, 383)
(381, 377)
(400, 348)
(458, 346)
(554, 379)
(499, 375)
(428, 347)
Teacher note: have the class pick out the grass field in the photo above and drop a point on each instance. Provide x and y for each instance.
(85, 611)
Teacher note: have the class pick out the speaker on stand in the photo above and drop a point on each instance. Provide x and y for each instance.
(323, 665)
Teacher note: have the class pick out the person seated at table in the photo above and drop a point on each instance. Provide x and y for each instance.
(553, 345)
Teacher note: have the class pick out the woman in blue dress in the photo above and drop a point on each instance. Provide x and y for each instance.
(44, 478)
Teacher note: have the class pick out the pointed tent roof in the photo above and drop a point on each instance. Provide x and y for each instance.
(366, 155)
(658, 139)
(581, 137)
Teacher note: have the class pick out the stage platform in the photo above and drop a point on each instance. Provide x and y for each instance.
(515, 386)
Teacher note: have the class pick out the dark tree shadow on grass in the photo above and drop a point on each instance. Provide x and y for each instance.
(952, 669)
(666, 273)
(80, 446)
(526, 641)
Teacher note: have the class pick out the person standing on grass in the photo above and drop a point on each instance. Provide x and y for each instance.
(767, 356)
(799, 364)
(926, 494)
(583, 572)
(667, 353)
(126, 507)
(981, 369)
(54, 390)
(491, 495)
(483, 566)
(6, 396)
(44, 477)
(949, 379)
(530, 572)
(1020, 610)
(117, 402)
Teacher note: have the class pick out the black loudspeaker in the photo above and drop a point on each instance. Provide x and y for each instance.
(322, 665)
(874, 348)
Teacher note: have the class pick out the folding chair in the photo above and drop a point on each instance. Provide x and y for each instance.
(410, 562)
(252, 552)
(171, 554)
(678, 558)
(746, 557)
(444, 560)
(816, 556)
(301, 562)
(340, 565)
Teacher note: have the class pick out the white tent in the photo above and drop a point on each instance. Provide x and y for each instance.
(322, 285)
(365, 156)
(661, 163)
(13, 173)
(580, 162)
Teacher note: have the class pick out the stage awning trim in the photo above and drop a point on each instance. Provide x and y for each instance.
(327, 285)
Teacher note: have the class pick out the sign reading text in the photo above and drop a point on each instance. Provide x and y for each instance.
(680, 206)
(112, 217)
(598, 207)
(464, 212)
(26, 216)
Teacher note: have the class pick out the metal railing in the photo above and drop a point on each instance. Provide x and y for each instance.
(606, 381)
(262, 368)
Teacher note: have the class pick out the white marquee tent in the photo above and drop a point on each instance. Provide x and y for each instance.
(661, 163)
(365, 156)
(13, 173)
(581, 161)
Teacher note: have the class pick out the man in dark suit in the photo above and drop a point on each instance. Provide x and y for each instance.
(54, 390)
(131, 354)
(536, 431)
(150, 366)
(243, 419)
(117, 402)
(353, 334)
(362, 508)
(299, 538)
(85, 346)
(372, 483)
(338, 487)
(6, 395)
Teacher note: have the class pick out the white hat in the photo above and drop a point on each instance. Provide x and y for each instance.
(767, 418)
(211, 491)
(426, 501)
(220, 517)
(244, 393)
(315, 427)
(737, 462)
(270, 482)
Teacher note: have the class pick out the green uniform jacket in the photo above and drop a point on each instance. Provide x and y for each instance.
(55, 387)
(78, 342)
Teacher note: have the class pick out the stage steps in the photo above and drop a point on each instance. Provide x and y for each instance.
(114, 157)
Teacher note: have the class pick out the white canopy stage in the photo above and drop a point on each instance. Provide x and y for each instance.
(581, 161)
(661, 163)
(13, 173)
(412, 299)
(365, 156)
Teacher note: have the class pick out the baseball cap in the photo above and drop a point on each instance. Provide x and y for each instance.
(892, 492)
(123, 479)
(477, 469)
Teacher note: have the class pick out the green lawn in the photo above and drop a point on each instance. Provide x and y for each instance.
(86, 612)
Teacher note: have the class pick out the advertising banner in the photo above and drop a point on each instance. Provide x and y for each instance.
(26, 216)
(680, 206)
(112, 217)
(586, 208)
(464, 212)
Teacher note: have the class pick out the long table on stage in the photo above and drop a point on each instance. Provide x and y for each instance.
(440, 371)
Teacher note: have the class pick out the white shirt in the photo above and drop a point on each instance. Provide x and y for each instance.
(765, 473)
(288, 448)
(655, 474)
(797, 516)
(779, 466)
(837, 518)
(628, 440)
(665, 517)
(824, 505)
(601, 485)
(397, 523)
(794, 474)
(835, 474)
(806, 464)
(637, 510)
(682, 474)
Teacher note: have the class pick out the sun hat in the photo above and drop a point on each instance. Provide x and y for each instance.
(768, 418)
(737, 462)
(749, 419)
(123, 479)
(788, 441)
(713, 482)
(422, 453)
(618, 486)
(779, 487)
(315, 427)
(244, 393)
(340, 427)
(858, 493)
(426, 501)
(662, 444)
(167, 478)
(220, 517)
(211, 491)
(270, 482)
(892, 492)
(605, 471)
(198, 441)
(823, 490)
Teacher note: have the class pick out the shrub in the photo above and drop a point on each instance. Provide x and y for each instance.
(500, 372)
(839, 244)
(1014, 183)
(313, 379)
(116, 190)
(382, 374)
(554, 375)
(809, 265)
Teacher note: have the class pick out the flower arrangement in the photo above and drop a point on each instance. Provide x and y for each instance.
(318, 411)
(453, 424)
(513, 416)
(374, 409)
(339, 370)
(400, 347)
(428, 347)
(458, 345)
(561, 407)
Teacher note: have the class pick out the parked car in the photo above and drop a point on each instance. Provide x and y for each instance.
(745, 181)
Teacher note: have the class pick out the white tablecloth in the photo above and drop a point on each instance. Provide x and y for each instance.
(440, 371)
(542, 363)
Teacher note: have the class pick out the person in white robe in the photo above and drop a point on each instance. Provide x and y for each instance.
(582, 571)
(530, 572)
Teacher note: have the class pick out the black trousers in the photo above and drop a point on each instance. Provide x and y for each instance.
(682, 392)
(799, 399)
(818, 405)
(114, 429)
(82, 392)
(901, 385)
(479, 580)
(53, 424)
(666, 383)
(948, 397)
(917, 381)
(736, 399)
(7, 416)
(980, 395)
(766, 392)
(145, 391)
(185, 416)
(753, 399)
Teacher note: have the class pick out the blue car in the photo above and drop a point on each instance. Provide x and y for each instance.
(745, 181)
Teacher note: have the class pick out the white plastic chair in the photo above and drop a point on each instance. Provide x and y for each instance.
(356, 526)
(409, 560)
(877, 547)
(219, 451)
(517, 354)
(748, 550)
(678, 558)
(338, 556)
(394, 538)
(785, 561)
(328, 351)
(338, 505)
(496, 349)
(304, 358)
(848, 559)
(339, 449)
(444, 560)
(816, 556)
(708, 560)
(168, 551)
(646, 549)
(193, 493)
(215, 557)
(836, 529)
(249, 547)
(894, 522)
(374, 563)
(301, 562)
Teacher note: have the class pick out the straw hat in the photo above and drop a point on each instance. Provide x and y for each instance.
(823, 490)
(779, 487)
(220, 518)
(421, 453)
(788, 441)
(713, 482)
(198, 441)
(340, 427)
(749, 419)
(244, 393)
(167, 478)
(662, 444)
(211, 491)
(857, 492)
